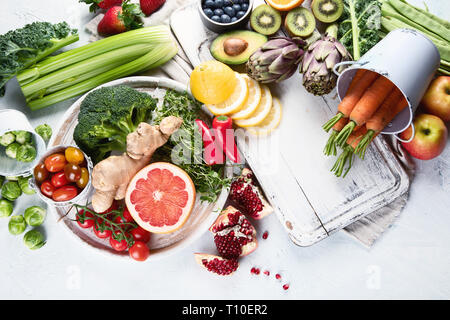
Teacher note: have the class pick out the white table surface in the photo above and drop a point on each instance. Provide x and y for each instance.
(411, 260)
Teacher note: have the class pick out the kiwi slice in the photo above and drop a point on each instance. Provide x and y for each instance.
(265, 20)
(300, 22)
(327, 11)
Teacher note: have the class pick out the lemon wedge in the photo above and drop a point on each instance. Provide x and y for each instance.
(261, 111)
(235, 102)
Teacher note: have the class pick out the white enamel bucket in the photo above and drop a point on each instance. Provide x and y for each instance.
(406, 57)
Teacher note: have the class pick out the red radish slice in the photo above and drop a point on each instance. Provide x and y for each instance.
(160, 197)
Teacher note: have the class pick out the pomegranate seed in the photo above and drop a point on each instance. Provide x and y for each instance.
(278, 276)
(265, 235)
(256, 270)
(267, 272)
(253, 270)
(286, 286)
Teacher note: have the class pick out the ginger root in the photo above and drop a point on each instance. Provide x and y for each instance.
(110, 177)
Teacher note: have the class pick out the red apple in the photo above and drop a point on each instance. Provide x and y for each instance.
(437, 98)
(430, 139)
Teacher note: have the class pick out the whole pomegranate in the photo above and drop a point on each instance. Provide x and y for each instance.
(248, 195)
(216, 264)
(234, 235)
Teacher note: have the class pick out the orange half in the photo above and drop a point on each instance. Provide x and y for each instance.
(284, 5)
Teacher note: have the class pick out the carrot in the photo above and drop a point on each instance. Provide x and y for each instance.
(390, 108)
(348, 154)
(369, 103)
(361, 81)
(330, 148)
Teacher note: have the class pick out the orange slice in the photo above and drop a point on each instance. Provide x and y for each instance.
(284, 5)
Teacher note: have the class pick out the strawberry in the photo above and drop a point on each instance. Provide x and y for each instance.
(102, 4)
(120, 19)
(150, 6)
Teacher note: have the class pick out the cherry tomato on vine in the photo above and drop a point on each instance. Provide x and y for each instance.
(84, 179)
(127, 218)
(102, 234)
(85, 219)
(116, 244)
(47, 189)
(40, 173)
(74, 155)
(140, 234)
(59, 179)
(139, 251)
(72, 172)
(65, 193)
(55, 162)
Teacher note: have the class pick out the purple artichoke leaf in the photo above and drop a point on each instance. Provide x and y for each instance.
(269, 56)
(276, 43)
(287, 75)
(307, 59)
(281, 65)
(333, 58)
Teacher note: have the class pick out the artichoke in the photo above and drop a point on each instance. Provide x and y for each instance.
(276, 60)
(319, 61)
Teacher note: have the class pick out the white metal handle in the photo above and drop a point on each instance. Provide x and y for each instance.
(346, 63)
(410, 139)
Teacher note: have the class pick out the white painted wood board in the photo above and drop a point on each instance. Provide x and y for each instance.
(310, 201)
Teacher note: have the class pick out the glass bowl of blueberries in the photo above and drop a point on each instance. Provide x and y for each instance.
(222, 15)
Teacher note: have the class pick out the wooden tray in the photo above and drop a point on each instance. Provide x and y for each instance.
(310, 201)
(202, 216)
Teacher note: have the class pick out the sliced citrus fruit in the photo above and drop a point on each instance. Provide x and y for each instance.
(160, 197)
(235, 102)
(284, 5)
(212, 82)
(252, 102)
(261, 111)
(271, 122)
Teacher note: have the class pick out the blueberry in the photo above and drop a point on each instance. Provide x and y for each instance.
(218, 4)
(237, 7)
(218, 12)
(209, 13)
(225, 18)
(240, 14)
(237, 1)
(229, 11)
(215, 18)
(210, 4)
(244, 7)
(234, 19)
(227, 3)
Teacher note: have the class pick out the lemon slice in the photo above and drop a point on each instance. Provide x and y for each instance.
(254, 97)
(261, 111)
(271, 122)
(235, 102)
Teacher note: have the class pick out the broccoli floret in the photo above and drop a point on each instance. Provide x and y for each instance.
(23, 47)
(107, 116)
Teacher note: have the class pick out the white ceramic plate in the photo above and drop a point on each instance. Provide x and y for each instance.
(202, 216)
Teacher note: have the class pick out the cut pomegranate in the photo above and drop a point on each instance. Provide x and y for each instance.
(216, 264)
(248, 196)
(234, 235)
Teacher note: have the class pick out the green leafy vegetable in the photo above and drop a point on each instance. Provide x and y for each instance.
(185, 147)
(34, 239)
(359, 26)
(107, 116)
(23, 47)
(35, 216)
(6, 208)
(17, 225)
(45, 131)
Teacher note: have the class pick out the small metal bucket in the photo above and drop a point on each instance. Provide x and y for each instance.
(13, 120)
(407, 58)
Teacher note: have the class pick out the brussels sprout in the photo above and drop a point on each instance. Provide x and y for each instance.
(6, 208)
(23, 137)
(2, 179)
(34, 240)
(12, 178)
(35, 216)
(24, 186)
(7, 139)
(17, 225)
(11, 150)
(26, 153)
(45, 131)
(11, 190)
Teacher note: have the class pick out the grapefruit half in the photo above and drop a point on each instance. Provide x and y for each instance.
(160, 197)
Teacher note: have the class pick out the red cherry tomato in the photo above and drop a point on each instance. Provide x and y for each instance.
(127, 218)
(55, 162)
(116, 244)
(139, 251)
(40, 173)
(47, 189)
(85, 219)
(59, 179)
(72, 172)
(140, 234)
(65, 193)
(102, 234)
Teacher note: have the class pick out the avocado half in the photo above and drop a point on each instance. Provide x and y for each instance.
(241, 45)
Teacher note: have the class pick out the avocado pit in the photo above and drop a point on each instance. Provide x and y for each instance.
(234, 46)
